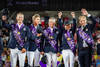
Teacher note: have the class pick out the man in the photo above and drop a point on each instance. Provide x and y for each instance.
(18, 42)
(51, 43)
(36, 42)
(68, 45)
(84, 39)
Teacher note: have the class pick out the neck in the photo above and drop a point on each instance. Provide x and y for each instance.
(67, 29)
(20, 23)
(35, 25)
(84, 25)
(52, 27)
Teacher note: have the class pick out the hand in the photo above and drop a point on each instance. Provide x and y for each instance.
(84, 12)
(42, 53)
(39, 34)
(59, 14)
(73, 14)
(8, 51)
(58, 54)
(23, 50)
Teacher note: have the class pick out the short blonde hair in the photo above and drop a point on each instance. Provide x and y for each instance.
(35, 16)
(20, 14)
(52, 19)
(82, 18)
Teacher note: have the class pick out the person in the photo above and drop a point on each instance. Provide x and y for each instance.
(18, 43)
(60, 26)
(51, 43)
(36, 42)
(4, 18)
(84, 39)
(68, 45)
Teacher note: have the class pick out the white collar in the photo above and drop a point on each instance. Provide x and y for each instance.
(51, 29)
(19, 25)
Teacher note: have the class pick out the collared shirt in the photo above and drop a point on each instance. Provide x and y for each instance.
(19, 25)
(35, 27)
(51, 29)
(84, 43)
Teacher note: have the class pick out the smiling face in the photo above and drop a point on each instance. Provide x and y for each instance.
(36, 20)
(51, 22)
(20, 18)
(82, 20)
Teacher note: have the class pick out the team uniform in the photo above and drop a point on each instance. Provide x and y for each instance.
(51, 45)
(35, 46)
(85, 43)
(19, 38)
(68, 45)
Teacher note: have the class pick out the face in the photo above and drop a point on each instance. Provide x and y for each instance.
(51, 24)
(36, 20)
(82, 22)
(68, 27)
(20, 18)
(4, 18)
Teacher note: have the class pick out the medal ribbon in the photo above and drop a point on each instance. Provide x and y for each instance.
(17, 36)
(49, 36)
(70, 41)
(85, 36)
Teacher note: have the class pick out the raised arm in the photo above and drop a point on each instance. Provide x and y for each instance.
(60, 21)
(85, 12)
(74, 23)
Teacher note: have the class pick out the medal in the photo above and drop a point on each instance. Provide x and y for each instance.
(51, 37)
(18, 32)
(68, 38)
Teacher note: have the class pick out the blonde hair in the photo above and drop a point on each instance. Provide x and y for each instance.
(82, 18)
(35, 16)
(52, 19)
(20, 14)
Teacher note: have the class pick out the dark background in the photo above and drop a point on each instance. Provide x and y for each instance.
(41, 5)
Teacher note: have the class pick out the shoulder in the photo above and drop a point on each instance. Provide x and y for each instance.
(25, 28)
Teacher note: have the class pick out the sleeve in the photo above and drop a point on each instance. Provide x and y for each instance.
(42, 41)
(63, 43)
(26, 46)
(91, 26)
(56, 38)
